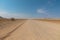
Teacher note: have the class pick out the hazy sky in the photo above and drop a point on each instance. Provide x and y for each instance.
(30, 8)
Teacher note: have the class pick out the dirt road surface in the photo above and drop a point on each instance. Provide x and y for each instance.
(36, 30)
(7, 27)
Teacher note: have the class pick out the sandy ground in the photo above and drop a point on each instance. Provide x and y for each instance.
(53, 21)
(36, 30)
(7, 27)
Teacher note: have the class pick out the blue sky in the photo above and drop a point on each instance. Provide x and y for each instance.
(30, 8)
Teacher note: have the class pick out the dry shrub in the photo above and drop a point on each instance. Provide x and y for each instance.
(12, 19)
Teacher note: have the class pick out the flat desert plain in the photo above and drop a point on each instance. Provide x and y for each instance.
(47, 20)
(30, 30)
(7, 26)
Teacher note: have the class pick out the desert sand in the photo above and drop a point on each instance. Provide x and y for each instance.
(8, 26)
(32, 30)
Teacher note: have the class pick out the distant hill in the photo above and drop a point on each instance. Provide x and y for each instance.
(1, 17)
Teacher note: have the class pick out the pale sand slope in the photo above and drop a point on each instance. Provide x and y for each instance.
(35, 30)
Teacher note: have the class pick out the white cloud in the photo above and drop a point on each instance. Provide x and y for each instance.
(42, 11)
(15, 15)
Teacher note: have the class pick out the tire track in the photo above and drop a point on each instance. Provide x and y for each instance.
(8, 34)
